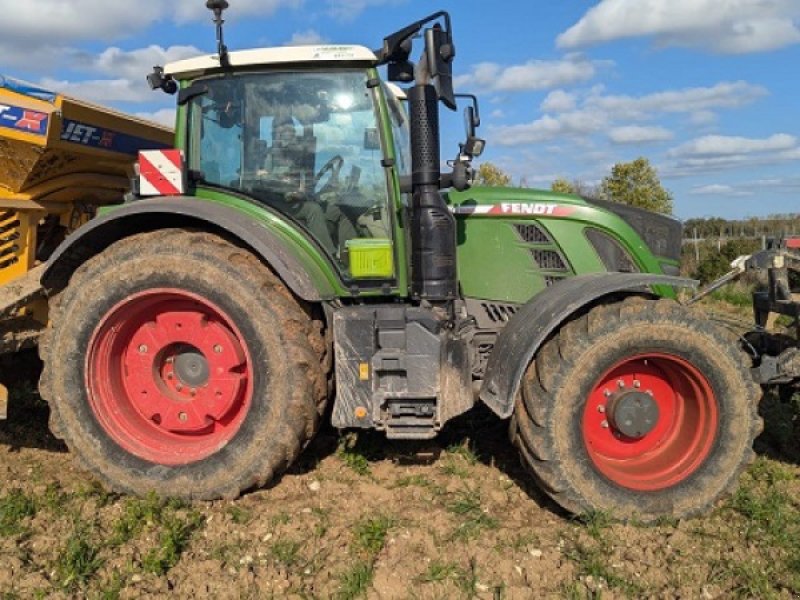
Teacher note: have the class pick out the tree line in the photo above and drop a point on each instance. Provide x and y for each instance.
(635, 183)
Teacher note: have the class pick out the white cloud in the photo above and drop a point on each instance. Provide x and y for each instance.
(56, 22)
(571, 124)
(102, 91)
(690, 100)
(36, 22)
(717, 189)
(347, 10)
(703, 117)
(126, 73)
(596, 112)
(559, 101)
(718, 152)
(132, 64)
(635, 134)
(306, 38)
(721, 145)
(164, 116)
(725, 26)
(533, 75)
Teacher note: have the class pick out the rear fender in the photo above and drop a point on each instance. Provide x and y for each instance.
(163, 212)
(532, 324)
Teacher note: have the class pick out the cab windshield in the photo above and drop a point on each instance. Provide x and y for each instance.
(305, 143)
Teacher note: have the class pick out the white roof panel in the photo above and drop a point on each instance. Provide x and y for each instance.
(274, 56)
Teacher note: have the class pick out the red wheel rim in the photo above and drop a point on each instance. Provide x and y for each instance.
(672, 446)
(169, 376)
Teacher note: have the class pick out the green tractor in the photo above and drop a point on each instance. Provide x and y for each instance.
(311, 251)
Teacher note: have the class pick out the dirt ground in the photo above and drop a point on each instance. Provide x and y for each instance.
(357, 517)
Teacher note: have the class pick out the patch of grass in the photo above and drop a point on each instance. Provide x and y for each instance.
(467, 505)
(466, 451)
(520, 542)
(747, 579)
(15, 507)
(138, 513)
(370, 534)
(592, 561)
(174, 536)
(95, 490)
(596, 521)
(355, 582)
(286, 552)
(412, 481)
(282, 518)
(53, 499)
(439, 571)
(79, 559)
(467, 579)
(323, 521)
(356, 450)
(239, 515)
(226, 552)
(113, 588)
(767, 507)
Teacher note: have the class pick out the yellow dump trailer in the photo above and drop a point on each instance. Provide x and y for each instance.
(60, 159)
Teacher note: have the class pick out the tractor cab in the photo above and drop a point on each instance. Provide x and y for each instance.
(287, 130)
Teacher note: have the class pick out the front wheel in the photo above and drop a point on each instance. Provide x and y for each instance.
(177, 362)
(641, 408)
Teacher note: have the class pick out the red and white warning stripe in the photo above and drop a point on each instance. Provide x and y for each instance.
(161, 172)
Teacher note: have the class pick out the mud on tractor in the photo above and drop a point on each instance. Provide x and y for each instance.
(305, 247)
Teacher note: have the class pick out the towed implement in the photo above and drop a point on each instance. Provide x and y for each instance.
(60, 159)
(308, 248)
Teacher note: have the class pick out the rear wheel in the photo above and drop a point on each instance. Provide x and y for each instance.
(641, 408)
(177, 362)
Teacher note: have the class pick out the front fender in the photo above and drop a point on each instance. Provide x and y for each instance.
(304, 279)
(532, 324)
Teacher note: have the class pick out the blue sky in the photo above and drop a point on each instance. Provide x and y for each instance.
(708, 90)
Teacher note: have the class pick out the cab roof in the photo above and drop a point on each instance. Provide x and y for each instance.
(349, 55)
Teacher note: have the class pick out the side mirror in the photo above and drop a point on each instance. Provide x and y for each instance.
(158, 81)
(473, 147)
(441, 52)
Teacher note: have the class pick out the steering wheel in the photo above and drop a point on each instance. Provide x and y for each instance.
(334, 165)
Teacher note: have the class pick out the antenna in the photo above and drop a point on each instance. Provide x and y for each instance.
(218, 6)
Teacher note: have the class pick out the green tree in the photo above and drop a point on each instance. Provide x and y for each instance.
(491, 175)
(637, 183)
(562, 186)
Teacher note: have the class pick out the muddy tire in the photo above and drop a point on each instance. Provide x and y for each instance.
(177, 362)
(641, 408)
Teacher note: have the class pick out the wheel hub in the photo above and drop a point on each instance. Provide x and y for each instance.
(191, 367)
(169, 376)
(633, 413)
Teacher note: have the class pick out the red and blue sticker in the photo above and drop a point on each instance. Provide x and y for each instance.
(105, 139)
(22, 119)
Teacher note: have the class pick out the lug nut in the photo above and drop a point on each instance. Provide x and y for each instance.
(193, 392)
(604, 424)
(649, 393)
(606, 393)
(620, 384)
(143, 349)
(183, 417)
(170, 360)
(218, 349)
(178, 387)
(637, 384)
(601, 409)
